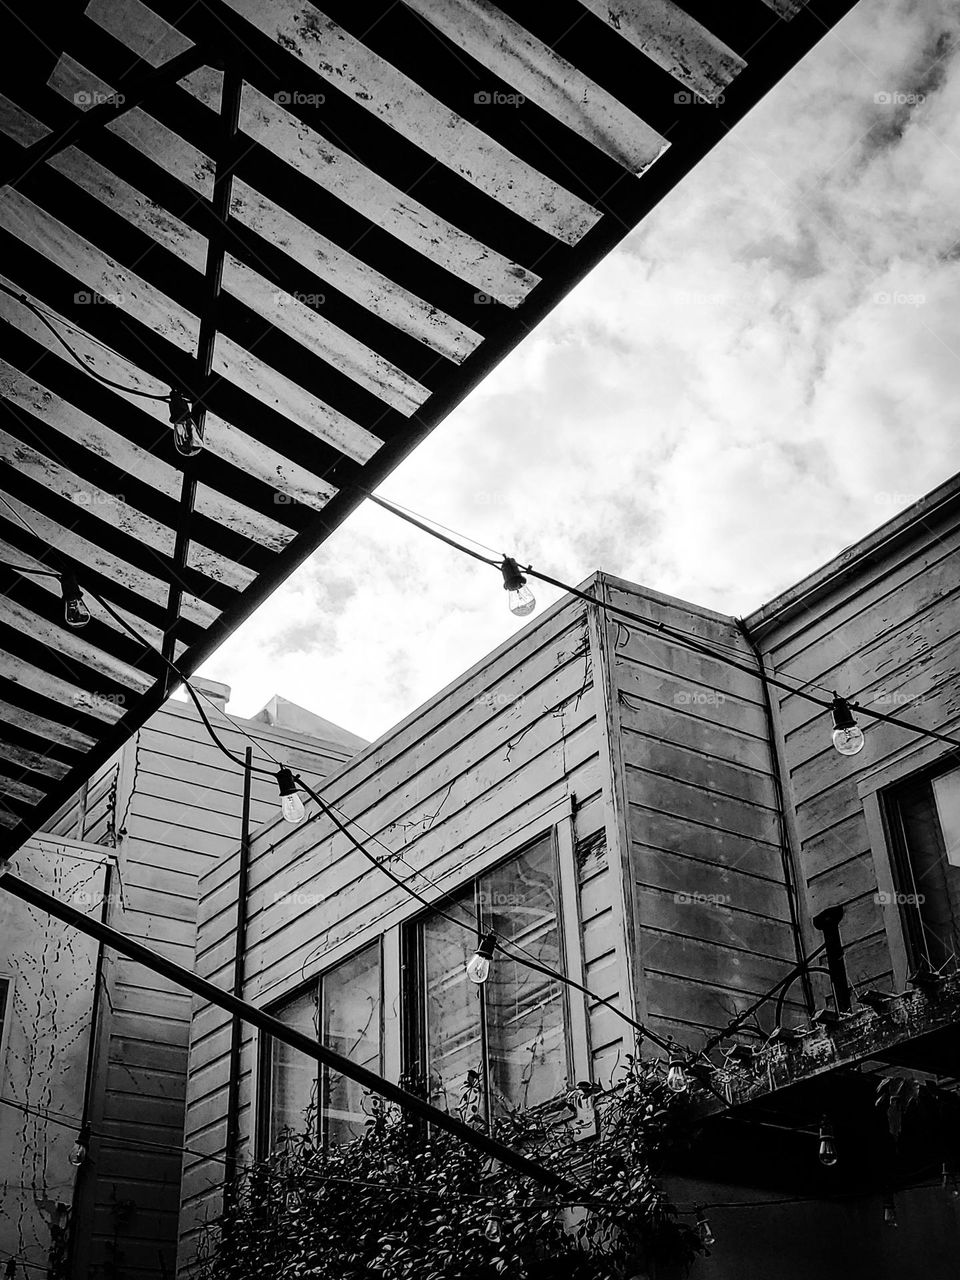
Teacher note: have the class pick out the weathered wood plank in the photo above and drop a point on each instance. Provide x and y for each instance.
(496, 41)
(353, 68)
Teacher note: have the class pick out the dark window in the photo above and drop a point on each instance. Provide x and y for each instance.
(343, 1008)
(509, 1034)
(924, 818)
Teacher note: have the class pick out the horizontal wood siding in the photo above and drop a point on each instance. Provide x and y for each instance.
(886, 635)
(488, 763)
(711, 912)
(175, 805)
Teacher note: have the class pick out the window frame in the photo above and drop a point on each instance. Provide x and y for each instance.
(901, 865)
(265, 1045)
(413, 973)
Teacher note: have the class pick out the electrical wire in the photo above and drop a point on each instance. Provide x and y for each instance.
(87, 368)
(661, 628)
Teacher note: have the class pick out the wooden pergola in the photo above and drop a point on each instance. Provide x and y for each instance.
(324, 225)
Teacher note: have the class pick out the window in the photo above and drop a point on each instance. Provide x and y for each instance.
(343, 1009)
(924, 818)
(511, 1030)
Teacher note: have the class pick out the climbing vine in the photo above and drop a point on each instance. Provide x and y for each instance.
(403, 1202)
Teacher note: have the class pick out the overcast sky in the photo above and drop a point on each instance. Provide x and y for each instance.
(764, 371)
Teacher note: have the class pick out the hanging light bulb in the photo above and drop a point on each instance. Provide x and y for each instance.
(187, 436)
(828, 1146)
(948, 1181)
(478, 967)
(291, 806)
(703, 1230)
(75, 611)
(493, 1230)
(676, 1076)
(521, 599)
(10, 1270)
(847, 734)
(79, 1152)
(292, 1200)
(890, 1212)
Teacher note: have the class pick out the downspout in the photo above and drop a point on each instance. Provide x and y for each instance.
(236, 1036)
(786, 857)
(89, 1085)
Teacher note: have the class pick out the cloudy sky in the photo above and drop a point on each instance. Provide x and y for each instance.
(764, 371)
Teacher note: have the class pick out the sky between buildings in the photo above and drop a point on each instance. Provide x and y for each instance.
(764, 371)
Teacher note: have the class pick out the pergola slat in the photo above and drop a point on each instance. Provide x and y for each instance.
(390, 235)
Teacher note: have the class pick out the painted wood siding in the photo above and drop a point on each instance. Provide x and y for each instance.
(704, 875)
(882, 627)
(489, 762)
(171, 802)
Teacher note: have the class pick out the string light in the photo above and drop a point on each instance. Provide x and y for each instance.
(10, 1270)
(75, 611)
(478, 966)
(847, 734)
(521, 600)
(79, 1153)
(493, 1229)
(948, 1181)
(828, 1146)
(707, 1238)
(187, 436)
(677, 1081)
(890, 1212)
(291, 806)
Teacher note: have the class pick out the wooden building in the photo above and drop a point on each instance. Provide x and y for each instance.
(159, 814)
(662, 823)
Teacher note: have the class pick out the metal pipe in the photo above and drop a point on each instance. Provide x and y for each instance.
(236, 1034)
(280, 1031)
(828, 922)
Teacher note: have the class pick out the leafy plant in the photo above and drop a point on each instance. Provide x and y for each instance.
(404, 1201)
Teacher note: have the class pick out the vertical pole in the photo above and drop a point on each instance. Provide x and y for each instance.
(243, 883)
(226, 158)
(828, 922)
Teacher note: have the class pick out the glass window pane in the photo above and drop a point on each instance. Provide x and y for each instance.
(451, 1007)
(293, 1085)
(351, 1025)
(524, 1009)
(946, 793)
(933, 884)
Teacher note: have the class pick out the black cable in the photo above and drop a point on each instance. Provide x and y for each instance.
(118, 386)
(738, 1021)
(661, 628)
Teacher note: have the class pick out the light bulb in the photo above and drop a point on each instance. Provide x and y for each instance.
(292, 1201)
(10, 1270)
(492, 1230)
(75, 611)
(478, 966)
(520, 599)
(676, 1076)
(890, 1213)
(828, 1147)
(703, 1230)
(948, 1181)
(847, 734)
(187, 436)
(291, 806)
